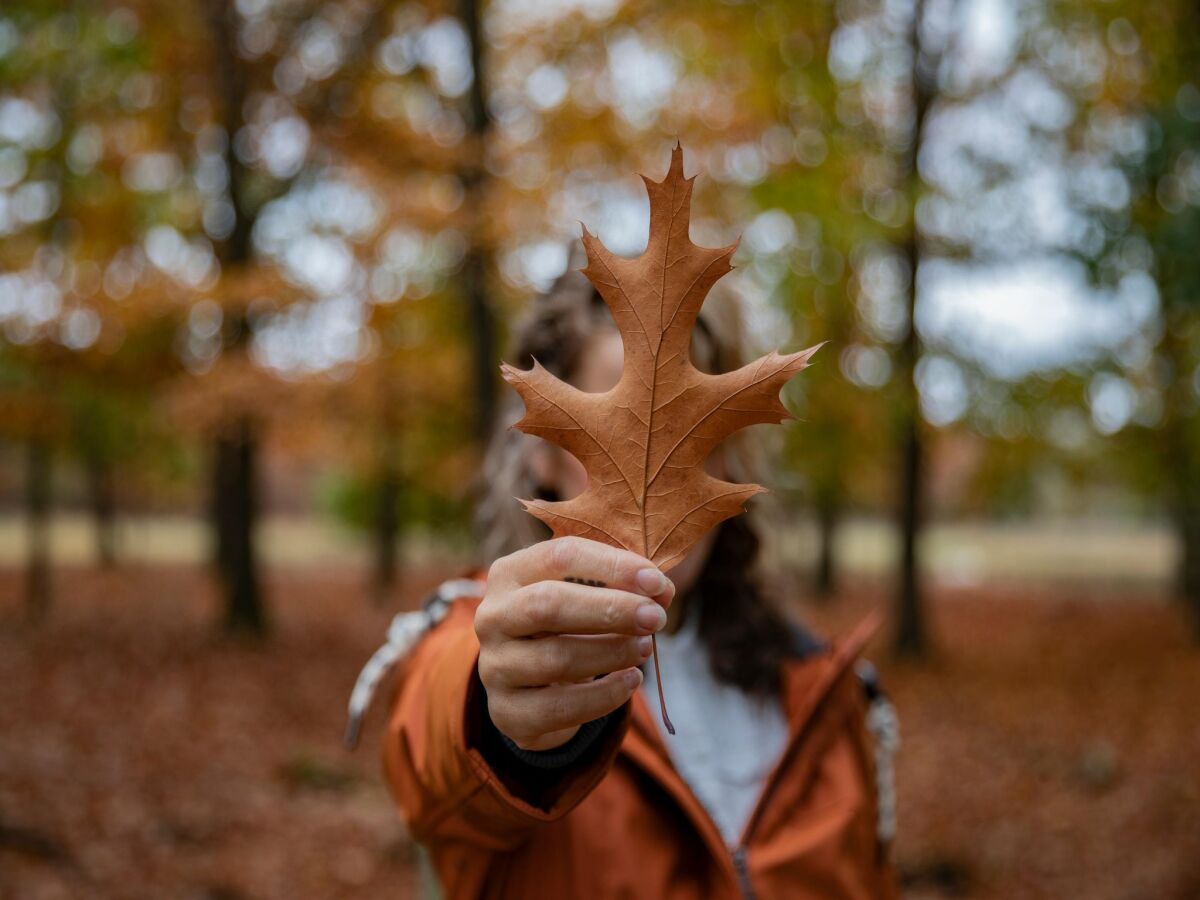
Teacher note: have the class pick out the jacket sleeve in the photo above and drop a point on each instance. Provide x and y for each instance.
(448, 780)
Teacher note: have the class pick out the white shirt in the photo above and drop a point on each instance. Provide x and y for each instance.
(726, 742)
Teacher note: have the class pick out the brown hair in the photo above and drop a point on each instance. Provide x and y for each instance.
(746, 637)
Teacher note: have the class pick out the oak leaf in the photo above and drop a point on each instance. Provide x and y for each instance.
(645, 441)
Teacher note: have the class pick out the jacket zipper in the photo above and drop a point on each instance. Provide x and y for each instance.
(742, 868)
(741, 865)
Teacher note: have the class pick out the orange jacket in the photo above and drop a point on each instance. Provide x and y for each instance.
(623, 823)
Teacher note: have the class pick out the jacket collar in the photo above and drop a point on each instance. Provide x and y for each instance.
(807, 681)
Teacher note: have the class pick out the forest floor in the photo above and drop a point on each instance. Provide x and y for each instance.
(1050, 746)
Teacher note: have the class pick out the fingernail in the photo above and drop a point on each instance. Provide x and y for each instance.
(633, 677)
(645, 647)
(651, 581)
(651, 616)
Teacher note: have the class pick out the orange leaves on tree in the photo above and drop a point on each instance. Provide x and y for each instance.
(645, 441)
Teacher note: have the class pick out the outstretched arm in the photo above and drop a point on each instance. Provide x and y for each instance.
(539, 658)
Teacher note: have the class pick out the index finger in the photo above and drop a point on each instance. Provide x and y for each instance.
(586, 562)
(553, 608)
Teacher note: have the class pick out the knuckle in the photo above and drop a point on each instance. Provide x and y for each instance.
(498, 569)
(539, 605)
(618, 567)
(564, 552)
(613, 612)
(556, 662)
(498, 711)
(486, 619)
(482, 623)
(488, 667)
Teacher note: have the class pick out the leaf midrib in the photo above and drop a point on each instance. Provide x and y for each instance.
(662, 297)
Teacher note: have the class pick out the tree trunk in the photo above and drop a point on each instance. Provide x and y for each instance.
(218, 507)
(1189, 562)
(103, 502)
(1184, 504)
(481, 325)
(910, 620)
(235, 481)
(1180, 457)
(387, 532)
(235, 499)
(37, 512)
(480, 319)
(910, 628)
(825, 578)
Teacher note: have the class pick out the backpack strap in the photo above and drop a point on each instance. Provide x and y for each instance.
(804, 642)
(406, 630)
(884, 727)
(882, 722)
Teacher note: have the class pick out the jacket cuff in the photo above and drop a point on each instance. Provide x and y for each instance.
(552, 781)
(560, 757)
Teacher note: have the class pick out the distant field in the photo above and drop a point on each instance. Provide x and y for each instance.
(967, 553)
(285, 541)
(955, 553)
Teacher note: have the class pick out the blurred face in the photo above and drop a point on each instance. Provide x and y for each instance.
(599, 370)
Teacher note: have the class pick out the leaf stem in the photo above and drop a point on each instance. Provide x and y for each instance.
(662, 701)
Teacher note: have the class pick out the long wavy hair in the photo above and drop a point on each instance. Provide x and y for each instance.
(747, 638)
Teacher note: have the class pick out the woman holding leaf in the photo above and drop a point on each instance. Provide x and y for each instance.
(521, 746)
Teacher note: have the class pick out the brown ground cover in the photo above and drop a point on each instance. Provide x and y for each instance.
(1050, 748)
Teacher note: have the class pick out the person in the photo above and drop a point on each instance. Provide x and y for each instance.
(524, 745)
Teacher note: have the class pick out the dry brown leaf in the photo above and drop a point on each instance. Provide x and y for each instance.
(644, 443)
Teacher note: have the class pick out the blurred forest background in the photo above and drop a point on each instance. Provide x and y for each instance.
(257, 263)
